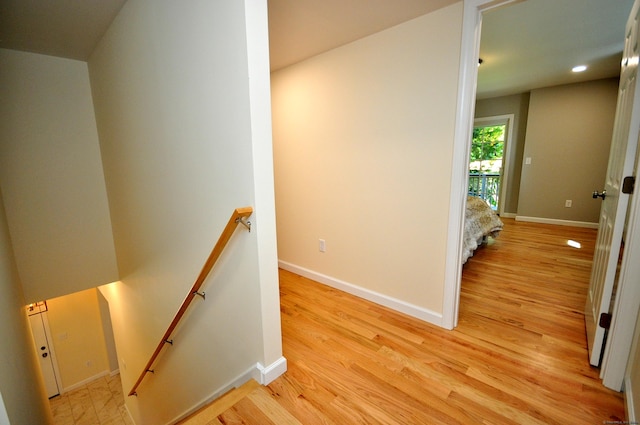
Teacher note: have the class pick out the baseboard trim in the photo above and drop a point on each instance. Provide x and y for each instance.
(558, 222)
(85, 382)
(367, 294)
(126, 408)
(508, 215)
(263, 375)
(266, 375)
(234, 383)
(628, 403)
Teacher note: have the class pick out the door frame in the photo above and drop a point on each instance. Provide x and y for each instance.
(507, 121)
(623, 323)
(467, 83)
(627, 303)
(627, 300)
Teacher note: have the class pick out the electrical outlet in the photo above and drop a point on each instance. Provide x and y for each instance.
(322, 246)
(568, 203)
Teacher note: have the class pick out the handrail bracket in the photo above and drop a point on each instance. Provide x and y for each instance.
(246, 223)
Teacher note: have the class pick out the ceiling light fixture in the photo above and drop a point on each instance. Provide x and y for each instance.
(579, 68)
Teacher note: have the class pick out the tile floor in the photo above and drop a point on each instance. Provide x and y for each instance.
(98, 403)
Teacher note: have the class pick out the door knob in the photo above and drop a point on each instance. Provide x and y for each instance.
(597, 195)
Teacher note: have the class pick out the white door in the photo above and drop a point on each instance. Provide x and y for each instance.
(614, 203)
(43, 352)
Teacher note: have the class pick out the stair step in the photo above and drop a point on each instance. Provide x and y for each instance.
(265, 409)
(208, 414)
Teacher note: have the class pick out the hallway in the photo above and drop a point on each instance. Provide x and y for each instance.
(517, 356)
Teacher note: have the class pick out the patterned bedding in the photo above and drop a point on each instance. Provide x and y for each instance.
(479, 221)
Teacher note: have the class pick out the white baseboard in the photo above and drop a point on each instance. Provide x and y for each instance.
(628, 403)
(234, 383)
(114, 373)
(367, 294)
(84, 382)
(557, 222)
(126, 408)
(266, 375)
(508, 215)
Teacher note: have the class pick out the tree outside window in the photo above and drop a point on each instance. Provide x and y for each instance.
(485, 163)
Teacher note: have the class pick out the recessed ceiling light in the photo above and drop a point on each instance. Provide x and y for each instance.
(579, 68)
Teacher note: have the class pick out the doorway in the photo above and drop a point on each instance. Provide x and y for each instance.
(43, 346)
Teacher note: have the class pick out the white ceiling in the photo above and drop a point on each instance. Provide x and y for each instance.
(299, 29)
(528, 45)
(535, 43)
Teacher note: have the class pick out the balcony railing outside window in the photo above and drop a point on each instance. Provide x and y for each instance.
(485, 186)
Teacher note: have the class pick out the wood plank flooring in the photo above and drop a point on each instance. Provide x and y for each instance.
(518, 355)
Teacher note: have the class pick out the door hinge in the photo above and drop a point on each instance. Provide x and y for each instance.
(628, 184)
(605, 320)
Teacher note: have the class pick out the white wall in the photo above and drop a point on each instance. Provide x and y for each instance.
(632, 378)
(363, 139)
(182, 104)
(51, 176)
(21, 385)
(569, 130)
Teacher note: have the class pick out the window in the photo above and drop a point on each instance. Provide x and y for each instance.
(485, 163)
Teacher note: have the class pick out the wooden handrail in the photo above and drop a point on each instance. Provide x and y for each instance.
(226, 234)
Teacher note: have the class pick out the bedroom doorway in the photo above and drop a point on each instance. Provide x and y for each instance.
(488, 160)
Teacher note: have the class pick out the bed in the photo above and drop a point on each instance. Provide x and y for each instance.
(480, 221)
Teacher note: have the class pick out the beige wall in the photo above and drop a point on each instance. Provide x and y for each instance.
(51, 176)
(21, 386)
(518, 105)
(569, 132)
(181, 93)
(78, 338)
(363, 139)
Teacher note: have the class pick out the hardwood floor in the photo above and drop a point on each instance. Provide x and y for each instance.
(518, 355)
